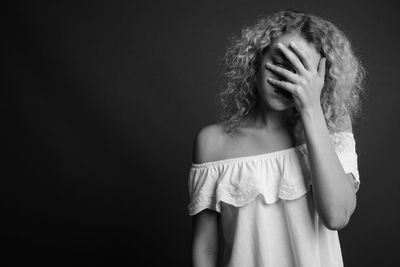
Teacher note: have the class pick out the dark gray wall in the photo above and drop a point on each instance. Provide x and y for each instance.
(101, 102)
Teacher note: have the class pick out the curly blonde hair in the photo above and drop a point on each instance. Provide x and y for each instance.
(340, 96)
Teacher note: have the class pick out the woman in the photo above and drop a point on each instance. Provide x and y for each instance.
(277, 176)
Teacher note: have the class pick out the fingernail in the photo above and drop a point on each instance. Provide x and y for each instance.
(292, 44)
(280, 44)
(268, 64)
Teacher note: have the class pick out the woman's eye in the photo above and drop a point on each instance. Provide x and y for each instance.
(283, 65)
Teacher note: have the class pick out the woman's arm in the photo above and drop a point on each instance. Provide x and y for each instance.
(334, 195)
(204, 250)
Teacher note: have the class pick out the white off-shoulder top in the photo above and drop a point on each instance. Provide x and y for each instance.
(268, 217)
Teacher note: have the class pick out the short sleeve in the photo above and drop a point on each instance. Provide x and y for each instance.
(345, 147)
(202, 185)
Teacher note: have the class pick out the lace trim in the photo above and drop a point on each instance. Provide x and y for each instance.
(240, 197)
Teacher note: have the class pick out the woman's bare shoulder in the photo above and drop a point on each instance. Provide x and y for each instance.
(208, 144)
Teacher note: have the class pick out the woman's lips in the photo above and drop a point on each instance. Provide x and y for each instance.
(283, 93)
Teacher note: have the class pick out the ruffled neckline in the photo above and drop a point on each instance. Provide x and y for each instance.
(268, 155)
(283, 174)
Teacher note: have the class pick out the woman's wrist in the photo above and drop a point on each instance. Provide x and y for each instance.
(313, 116)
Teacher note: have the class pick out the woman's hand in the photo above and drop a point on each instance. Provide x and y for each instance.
(306, 84)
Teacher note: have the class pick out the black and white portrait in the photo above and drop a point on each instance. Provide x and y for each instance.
(200, 133)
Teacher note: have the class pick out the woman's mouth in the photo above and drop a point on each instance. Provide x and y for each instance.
(283, 93)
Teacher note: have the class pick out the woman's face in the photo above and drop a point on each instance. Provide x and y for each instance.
(272, 96)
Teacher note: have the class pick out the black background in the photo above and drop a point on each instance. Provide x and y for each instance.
(101, 101)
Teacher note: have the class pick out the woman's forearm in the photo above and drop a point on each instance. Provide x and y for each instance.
(203, 257)
(333, 196)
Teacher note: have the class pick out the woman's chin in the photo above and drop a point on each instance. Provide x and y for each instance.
(276, 99)
(280, 103)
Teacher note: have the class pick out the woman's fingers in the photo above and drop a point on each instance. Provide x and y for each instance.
(288, 75)
(292, 57)
(290, 87)
(302, 55)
